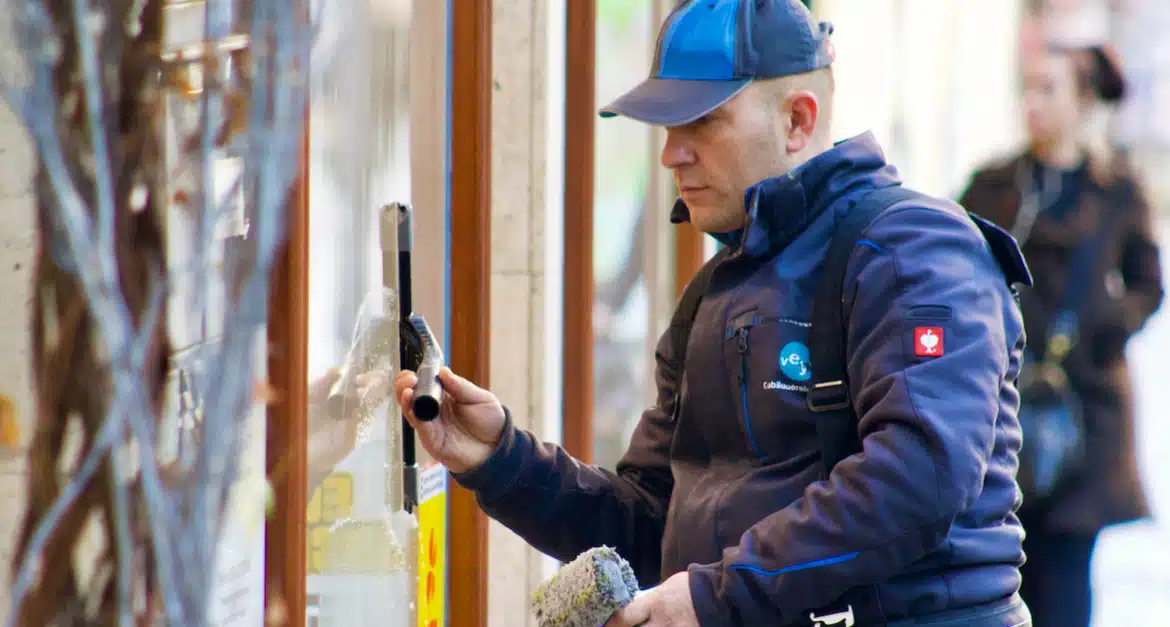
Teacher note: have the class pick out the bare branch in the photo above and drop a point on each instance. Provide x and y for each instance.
(88, 23)
(91, 107)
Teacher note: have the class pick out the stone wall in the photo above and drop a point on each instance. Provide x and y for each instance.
(16, 256)
(518, 298)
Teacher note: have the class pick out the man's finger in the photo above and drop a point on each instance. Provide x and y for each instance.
(461, 390)
(374, 379)
(321, 386)
(406, 380)
(404, 398)
(636, 614)
(373, 388)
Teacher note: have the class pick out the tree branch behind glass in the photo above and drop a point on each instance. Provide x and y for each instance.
(95, 84)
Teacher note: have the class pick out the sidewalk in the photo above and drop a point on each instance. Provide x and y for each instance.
(1131, 575)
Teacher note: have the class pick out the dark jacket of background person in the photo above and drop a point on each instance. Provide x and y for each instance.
(1110, 492)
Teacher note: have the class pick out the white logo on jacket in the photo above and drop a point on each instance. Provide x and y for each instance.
(840, 618)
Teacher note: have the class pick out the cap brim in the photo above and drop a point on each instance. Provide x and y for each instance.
(673, 102)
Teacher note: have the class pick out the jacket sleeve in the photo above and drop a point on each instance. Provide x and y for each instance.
(1141, 273)
(969, 198)
(927, 426)
(563, 507)
(991, 193)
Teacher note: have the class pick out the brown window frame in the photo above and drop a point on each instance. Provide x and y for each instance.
(286, 455)
(688, 257)
(577, 356)
(470, 297)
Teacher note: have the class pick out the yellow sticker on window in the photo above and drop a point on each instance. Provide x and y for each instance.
(432, 550)
(331, 501)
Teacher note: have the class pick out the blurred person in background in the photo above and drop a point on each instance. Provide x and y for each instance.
(1085, 229)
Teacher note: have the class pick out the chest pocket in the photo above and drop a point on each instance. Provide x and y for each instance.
(769, 370)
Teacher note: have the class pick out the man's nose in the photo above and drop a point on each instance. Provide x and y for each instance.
(676, 152)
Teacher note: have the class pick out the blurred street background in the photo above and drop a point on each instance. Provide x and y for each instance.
(938, 82)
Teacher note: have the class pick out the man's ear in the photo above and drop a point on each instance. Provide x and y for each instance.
(803, 112)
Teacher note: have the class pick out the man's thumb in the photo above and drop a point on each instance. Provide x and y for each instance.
(461, 390)
(632, 615)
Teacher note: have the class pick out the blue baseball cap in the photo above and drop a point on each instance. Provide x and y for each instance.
(710, 50)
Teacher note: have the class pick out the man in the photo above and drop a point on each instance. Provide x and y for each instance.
(722, 500)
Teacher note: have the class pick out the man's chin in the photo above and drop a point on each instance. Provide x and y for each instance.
(700, 217)
(703, 221)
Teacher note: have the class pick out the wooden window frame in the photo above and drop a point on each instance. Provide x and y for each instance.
(580, 96)
(286, 455)
(688, 256)
(470, 296)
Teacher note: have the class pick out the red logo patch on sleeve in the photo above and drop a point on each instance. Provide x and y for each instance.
(928, 341)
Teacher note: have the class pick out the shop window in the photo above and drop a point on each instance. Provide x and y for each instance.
(623, 158)
(361, 551)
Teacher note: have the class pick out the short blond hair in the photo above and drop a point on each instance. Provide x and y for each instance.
(820, 82)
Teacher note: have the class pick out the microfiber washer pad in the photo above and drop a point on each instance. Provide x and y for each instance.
(586, 592)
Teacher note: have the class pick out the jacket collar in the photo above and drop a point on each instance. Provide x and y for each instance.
(780, 208)
(1104, 173)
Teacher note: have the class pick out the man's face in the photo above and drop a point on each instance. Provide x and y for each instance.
(716, 158)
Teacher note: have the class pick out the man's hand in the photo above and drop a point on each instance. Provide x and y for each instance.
(468, 428)
(668, 605)
(331, 438)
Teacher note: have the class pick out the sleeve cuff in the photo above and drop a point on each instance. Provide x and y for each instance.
(493, 479)
(705, 581)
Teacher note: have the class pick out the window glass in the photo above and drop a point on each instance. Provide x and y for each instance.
(624, 156)
(361, 544)
(195, 308)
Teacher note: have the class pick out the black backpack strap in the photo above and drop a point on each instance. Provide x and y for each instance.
(684, 318)
(688, 303)
(828, 393)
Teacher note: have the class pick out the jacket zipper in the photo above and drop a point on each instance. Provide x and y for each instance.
(740, 330)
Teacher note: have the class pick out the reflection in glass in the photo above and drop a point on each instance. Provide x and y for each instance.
(360, 541)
